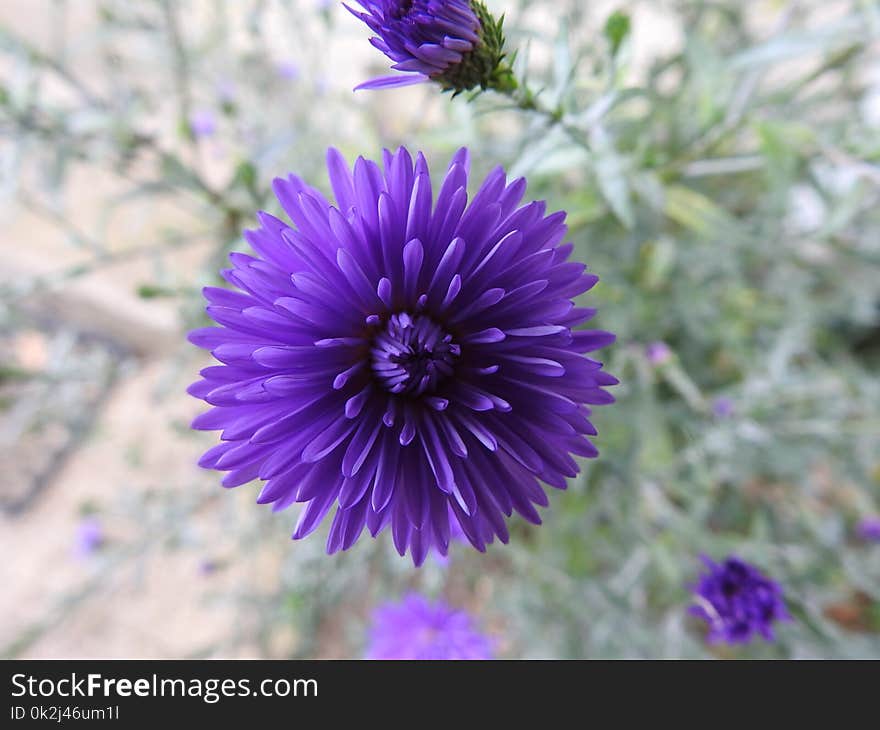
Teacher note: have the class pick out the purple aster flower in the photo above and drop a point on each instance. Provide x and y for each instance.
(203, 123)
(417, 629)
(397, 357)
(89, 537)
(456, 43)
(869, 529)
(737, 601)
(658, 353)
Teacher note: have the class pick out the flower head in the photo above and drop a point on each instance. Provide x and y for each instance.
(869, 529)
(417, 629)
(397, 357)
(456, 43)
(737, 601)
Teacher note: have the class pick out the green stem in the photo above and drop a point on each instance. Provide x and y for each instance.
(524, 99)
(527, 100)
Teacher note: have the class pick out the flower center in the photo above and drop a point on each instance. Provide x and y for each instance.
(412, 354)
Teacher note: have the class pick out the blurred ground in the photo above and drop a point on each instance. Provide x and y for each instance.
(122, 447)
(48, 587)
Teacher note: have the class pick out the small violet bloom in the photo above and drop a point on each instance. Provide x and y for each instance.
(207, 567)
(723, 407)
(203, 123)
(417, 629)
(658, 353)
(89, 537)
(289, 70)
(869, 529)
(737, 601)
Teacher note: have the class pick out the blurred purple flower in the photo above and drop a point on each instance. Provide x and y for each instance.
(399, 358)
(868, 529)
(207, 567)
(89, 537)
(289, 70)
(723, 407)
(417, 629)
(658, 353)
(738, 601)
(203, 123)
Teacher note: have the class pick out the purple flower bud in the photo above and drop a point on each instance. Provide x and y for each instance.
(868, 529)
(723, 407)
(289, 70)
(89, 537)
(207, 567)
(456, 43)
(658, 353)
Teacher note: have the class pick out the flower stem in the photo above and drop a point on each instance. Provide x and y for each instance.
(504, 83)
(524, 99)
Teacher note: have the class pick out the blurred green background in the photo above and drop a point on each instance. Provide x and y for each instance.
(720, 165)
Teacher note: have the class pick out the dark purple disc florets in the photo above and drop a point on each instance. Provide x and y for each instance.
(412, 354)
